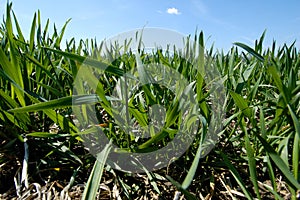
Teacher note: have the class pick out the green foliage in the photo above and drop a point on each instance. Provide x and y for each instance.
(262, 105)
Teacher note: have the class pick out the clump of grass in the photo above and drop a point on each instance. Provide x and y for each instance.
(258, 151)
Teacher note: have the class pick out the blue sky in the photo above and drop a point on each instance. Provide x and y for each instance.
(223, 22)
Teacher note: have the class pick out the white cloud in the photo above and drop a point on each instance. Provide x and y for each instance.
(173, 11)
